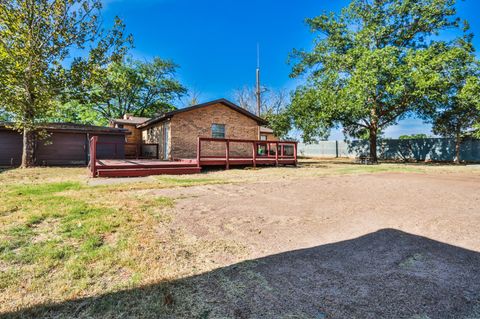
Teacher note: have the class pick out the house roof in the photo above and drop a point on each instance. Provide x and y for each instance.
(225, 102)
(74, 128)
(134, 120)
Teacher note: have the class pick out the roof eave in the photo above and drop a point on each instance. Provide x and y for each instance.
(226, 102)
(153, 121)
(86, 129)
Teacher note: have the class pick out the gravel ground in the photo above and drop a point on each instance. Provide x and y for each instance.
(388, 245)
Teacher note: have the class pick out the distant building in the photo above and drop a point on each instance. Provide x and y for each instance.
(63, 144)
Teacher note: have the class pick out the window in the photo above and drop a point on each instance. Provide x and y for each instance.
(218, 130)
(263, 137)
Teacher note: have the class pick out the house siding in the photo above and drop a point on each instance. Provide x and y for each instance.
(60, 147)
(10, 148)
(155, 135)
(186, 127)
(72, 148)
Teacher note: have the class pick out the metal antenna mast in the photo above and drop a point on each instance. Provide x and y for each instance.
(257, 90)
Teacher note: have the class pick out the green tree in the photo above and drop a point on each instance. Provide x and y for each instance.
(452, 72)
(75, 112)
(4, 116)
(413, 136)
(37, 40)
(142, 88)
(360, 73)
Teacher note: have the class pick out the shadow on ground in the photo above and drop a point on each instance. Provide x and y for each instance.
(386, 274)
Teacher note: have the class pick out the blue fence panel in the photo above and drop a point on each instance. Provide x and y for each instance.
(425, 149)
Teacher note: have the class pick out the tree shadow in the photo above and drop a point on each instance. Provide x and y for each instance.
(385, 274)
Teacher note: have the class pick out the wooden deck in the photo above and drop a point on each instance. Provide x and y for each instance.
(132, 168)
(146, 167)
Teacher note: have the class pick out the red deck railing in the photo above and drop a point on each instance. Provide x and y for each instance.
(94, 143)
(262, 152)
(138, 149)
(279, 156)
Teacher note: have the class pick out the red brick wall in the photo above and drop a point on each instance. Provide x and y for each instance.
(135, 137)
(186, 127)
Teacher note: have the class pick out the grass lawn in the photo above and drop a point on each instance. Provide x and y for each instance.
(60, 235)
(63, 237)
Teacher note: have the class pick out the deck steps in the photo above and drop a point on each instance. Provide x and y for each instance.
(138, 172)
(128, 165)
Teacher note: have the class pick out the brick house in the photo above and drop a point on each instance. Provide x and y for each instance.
(176, 132)
(266, 134)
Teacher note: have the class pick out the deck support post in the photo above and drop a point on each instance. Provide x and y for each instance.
(254, 154)
(93, 155)
(268, 149)
(276, 154)
(227, 155)
(295, 153)
(199, 150)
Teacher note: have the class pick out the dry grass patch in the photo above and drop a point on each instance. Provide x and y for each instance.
(63, 240)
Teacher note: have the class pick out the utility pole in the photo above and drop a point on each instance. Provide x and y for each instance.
(258, 93)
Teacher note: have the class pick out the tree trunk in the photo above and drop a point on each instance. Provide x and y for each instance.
(458, 142)
(373, 145)
(28, 148)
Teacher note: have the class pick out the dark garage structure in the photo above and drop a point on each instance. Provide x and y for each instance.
(63, 144)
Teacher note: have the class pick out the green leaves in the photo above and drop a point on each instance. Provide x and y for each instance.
(143, 88)
(450, 77)
(366, 70)
(37, 39)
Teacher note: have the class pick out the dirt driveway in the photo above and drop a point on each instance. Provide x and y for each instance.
(386, 245)
(326, 240)
(273, 217)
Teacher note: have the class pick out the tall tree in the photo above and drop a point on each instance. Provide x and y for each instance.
(359, 73)
(452, 73)
(142, 88)
(36, 42)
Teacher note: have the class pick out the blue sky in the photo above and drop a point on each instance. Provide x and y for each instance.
(214, 41)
